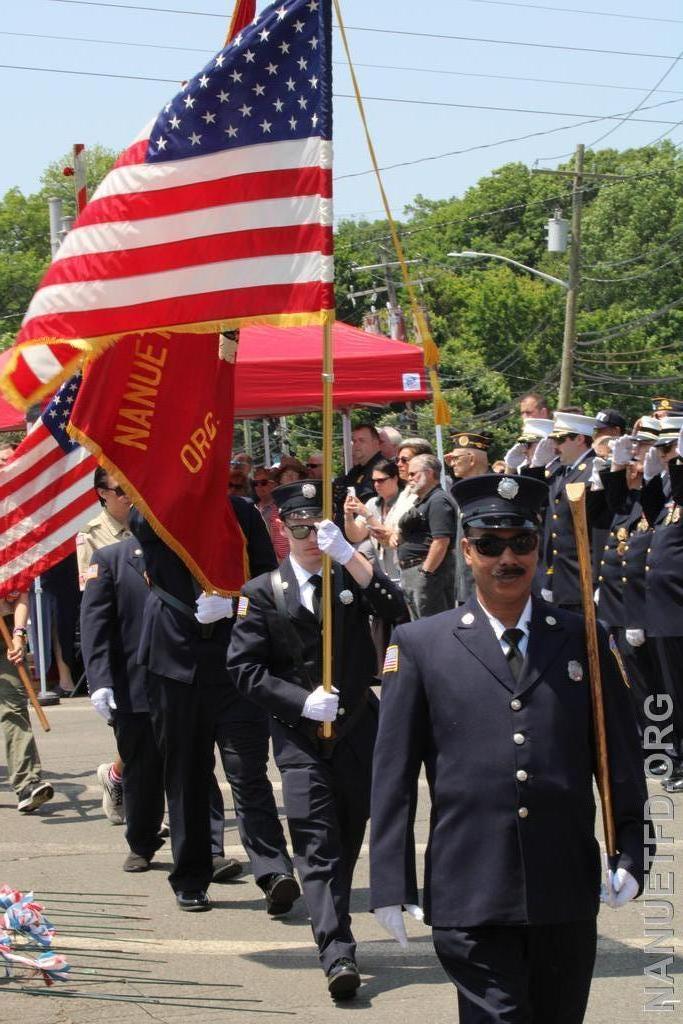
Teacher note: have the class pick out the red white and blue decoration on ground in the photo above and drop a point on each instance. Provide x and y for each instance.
(23, 929)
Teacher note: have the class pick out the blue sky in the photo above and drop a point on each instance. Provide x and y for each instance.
(44, 113)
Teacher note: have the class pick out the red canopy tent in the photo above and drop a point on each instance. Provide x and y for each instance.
(279, 371)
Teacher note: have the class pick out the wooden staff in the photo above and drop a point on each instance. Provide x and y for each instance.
(23, 675)
(576, 494)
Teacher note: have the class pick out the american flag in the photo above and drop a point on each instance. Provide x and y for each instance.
(46, 495)
(219, 214)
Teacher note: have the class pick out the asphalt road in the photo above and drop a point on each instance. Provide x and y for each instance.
(137, 958)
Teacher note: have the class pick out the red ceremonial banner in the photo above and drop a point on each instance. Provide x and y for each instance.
(156, 412)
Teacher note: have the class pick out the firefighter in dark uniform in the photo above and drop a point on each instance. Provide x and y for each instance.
(571, 439)
(494, 699)
(195, 705)
(276, 657)
(111, 613)
(620, 590)
(664, 582)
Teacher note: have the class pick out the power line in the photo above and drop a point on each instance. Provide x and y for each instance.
(341, 63)
(631, 325)
(380, 99)
(390, 31)
(639, 106)
(633, 277)
(634, 259)
(572, 10)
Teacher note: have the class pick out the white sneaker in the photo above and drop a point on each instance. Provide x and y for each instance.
(40, 794)
(112, 796)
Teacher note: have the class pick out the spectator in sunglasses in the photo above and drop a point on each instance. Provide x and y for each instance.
(264, 484)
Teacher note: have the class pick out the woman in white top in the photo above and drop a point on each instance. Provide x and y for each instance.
(377, 519)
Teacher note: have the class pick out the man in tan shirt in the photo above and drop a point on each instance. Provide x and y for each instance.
(109, 527)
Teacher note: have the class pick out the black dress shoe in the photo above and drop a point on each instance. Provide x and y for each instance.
(193, 900)
(135, 862)
(343, 979)
(281, 891)
(225, 868)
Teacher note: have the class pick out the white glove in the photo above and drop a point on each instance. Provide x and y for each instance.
(599, 465)
(212, 608)
(332, 542)
(547, 595)
(621, 888)
(652, 465)
(321, 706)
(516, 457)
(635, 637)
(391, 919)
(622, 450)
(103, 702)
(545, 453)
(679, 444)
(596, 595)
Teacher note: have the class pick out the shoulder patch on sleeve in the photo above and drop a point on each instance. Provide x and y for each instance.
(391, 659)
(242, 607)
(92, 572)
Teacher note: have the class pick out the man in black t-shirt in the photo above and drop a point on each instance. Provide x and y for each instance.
(426, 536)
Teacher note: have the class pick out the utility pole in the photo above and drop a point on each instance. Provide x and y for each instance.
(579, 176)
(574, 281)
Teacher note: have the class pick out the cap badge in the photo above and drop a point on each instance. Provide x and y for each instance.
(508, 488)
(346, 597)
(467, 619)
(463, 440)
(308, 490)
(665, 404)
(602, 416)
(575, 670)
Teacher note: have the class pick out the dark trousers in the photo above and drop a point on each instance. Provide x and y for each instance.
(143, 781)
(183, 717)
(188, 720)
(327, 803)
(668, 657)
(242, 735)
(519, 974)
(429, 595)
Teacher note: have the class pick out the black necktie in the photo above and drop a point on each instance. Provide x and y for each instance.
(316, 582)
(513, 638)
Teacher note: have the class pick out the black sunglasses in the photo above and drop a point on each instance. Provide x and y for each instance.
(493, 547)
(314, 465)
(118, 490)
(380, 479)
(261, 483)
(301, 531)
(561, 438)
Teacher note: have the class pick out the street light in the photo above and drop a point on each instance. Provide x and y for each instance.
(514, 263)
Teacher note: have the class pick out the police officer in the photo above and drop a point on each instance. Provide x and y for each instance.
(195, 705)
(494, 699)
(276, 657)
(111, 615)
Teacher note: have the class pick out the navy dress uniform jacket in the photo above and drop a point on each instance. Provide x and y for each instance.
(172, 644)
(510, 770)
(115, 581)
(561, 559)
(264, 670)
(621, 570)
(664, 562)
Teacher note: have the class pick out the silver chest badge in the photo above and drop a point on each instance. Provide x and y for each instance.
(508, 488)
(575, 670)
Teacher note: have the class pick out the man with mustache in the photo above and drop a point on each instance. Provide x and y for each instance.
(494, 699)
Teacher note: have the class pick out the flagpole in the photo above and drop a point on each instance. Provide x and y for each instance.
(328, 415)
(442, 416)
